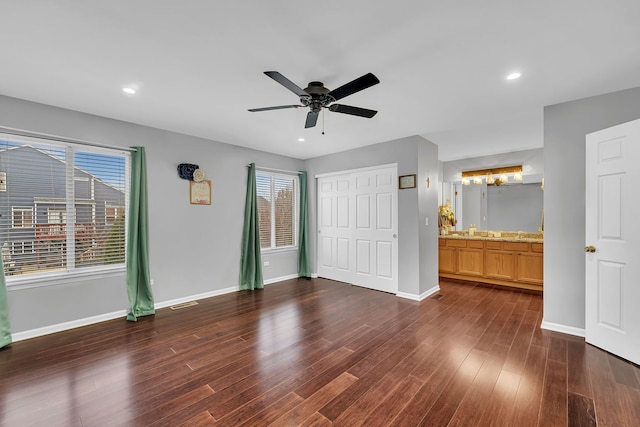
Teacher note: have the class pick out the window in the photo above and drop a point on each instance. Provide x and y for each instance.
(277, 210)
(112, 213)
(20, 248)
(22, 217)
(57, 198)
(56, 216)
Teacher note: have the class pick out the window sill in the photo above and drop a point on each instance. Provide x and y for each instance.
(29, 281)
(279, 250)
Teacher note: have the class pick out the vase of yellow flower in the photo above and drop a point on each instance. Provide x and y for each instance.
(446, 217)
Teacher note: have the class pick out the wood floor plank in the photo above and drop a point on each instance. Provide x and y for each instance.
(309, 406)
(473, 405)
(446, 405)
(581, 412)
(527, 404)
(578, 376)
(606, 401)
(319, 353)
(554, 407)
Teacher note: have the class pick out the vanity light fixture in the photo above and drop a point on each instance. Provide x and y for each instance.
(494, 176)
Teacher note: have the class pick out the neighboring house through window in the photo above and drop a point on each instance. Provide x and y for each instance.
(60, 205)
(277, 210)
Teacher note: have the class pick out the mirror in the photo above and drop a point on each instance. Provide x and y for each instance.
(508, 207)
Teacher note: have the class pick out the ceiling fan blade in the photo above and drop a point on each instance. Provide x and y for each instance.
(312, 119)
(354, 86)
(354, 111)
(286, 83)
(279, 107)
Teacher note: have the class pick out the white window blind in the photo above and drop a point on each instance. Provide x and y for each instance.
(277, 210)
(62, 208)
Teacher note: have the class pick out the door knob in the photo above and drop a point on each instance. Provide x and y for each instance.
(590, 249)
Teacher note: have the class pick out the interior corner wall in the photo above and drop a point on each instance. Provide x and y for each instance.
(194, 249)
(404, 152)
(565, 127)
(428, 201)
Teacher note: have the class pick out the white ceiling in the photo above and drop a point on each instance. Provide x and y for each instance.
(199, 65)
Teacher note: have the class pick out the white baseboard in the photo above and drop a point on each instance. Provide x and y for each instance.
(420, 297)
(46, 330)
(176, 301)
(280, 279)
(51, 329)
(556, 327)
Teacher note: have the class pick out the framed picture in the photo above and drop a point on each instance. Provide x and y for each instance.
(407, 181)
(200, 192)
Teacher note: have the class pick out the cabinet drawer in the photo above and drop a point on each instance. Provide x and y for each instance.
(452, 243)
(516, 246)
(494, 245)
(476, 244)
(442, 242)
(537, 247)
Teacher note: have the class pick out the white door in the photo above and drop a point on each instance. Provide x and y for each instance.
(357, 228)
(376, 240)
(334, 228)
(613, 240)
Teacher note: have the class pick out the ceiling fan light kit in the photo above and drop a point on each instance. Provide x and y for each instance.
(316, 97)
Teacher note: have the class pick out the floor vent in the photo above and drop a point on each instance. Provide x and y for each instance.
(437, 297)
(183, 305)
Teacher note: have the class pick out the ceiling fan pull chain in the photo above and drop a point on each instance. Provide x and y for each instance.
(323, 121)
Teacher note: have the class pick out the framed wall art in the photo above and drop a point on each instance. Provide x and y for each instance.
(407, 181)
(200, 192)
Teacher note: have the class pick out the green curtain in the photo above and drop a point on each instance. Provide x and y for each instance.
(138, 277)
(250, 259)
(304, 268)
(5, 324)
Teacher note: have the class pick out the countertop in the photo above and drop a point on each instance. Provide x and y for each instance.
(510, 237)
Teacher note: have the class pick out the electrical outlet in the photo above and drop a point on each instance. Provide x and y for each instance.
(266, 263)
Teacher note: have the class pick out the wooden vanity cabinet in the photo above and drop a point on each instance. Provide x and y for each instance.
(515, 264)
(530, 265)
(471, 259)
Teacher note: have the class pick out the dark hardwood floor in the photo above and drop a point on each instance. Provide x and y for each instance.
(316, 353)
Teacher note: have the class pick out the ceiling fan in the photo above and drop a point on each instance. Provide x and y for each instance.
(316, 97)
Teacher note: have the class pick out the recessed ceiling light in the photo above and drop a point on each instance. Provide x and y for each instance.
(129, 90)
(513, 76)
(300, 139)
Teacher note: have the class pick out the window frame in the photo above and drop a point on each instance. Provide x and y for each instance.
(22, 210)
(71, 274)
(296, 211)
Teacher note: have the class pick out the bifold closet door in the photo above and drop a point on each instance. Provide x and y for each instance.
(335, 228)
(357, 228)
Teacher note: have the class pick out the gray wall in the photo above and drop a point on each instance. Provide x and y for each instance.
(565, 127)
(194, 249)
(417, 250)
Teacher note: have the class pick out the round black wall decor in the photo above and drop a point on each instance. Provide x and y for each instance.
(185, 170)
